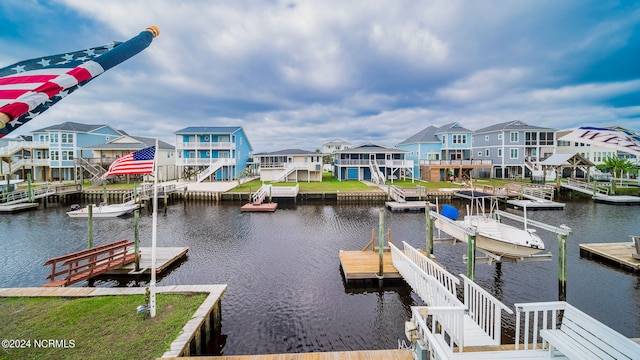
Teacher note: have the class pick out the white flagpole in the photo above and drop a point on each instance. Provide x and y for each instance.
(152, 286)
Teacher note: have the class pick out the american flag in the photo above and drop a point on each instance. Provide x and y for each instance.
(139, 162)
(30, 87)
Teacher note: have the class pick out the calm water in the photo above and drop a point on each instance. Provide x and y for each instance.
(285, 289)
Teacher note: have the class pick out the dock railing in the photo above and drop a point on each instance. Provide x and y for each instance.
(258, 196)
(448, 280)
(484, 308)
(446, 322)
(533, 317)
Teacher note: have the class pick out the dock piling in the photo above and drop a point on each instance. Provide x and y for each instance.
(381, 244)
(562, 267)
(90, 226)
(471, 257)
(136, 238)
(429, 231)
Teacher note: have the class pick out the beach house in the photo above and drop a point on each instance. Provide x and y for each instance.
(372, 162)
(290, 165)
(212, 152)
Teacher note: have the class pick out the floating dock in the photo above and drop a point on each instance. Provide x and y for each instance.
(536, 204)
(364, 265)
(165, 257)
(17, 207)
(618, 199)
(263, 207)
(615, 253)
(408, 205)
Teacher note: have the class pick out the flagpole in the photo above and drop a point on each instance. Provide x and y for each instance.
(152, 286)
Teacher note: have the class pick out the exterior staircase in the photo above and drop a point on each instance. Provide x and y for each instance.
(96, 171)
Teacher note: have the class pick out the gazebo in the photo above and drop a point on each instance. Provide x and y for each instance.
(560, 161)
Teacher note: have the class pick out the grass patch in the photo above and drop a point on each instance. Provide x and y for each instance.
(328, 184)
(103, 327)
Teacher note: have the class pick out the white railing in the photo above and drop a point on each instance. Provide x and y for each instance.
(396, 193)
(291, 167)
(204, 161)
(449, 320)
(538, 193)
(448, 280)
(14, 146)
(205, 145)
(258, 196)
(285, 191)
(533, 317)
(456, 162)
(484, 308)
(588, 187)
(210, 170)
(376, 175)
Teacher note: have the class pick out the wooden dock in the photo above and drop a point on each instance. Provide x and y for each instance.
(364, 265)
(339, 355)
(536, 204)
(408, 205)
(262, 207)
(17, 207)
(165, 257)
(616, 253)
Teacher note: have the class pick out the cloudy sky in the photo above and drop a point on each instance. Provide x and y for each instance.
(296, 74)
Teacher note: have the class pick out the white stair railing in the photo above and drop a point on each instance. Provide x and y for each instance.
(484, 308)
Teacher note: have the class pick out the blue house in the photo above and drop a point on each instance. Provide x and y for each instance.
(372, 162)
(212, 152)
(65, 143)
(440, 151)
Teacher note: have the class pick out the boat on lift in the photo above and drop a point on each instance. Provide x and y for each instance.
(492, 235)
(103, 210)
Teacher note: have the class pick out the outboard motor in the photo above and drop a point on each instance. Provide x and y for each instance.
(75, 207)
(449, 212)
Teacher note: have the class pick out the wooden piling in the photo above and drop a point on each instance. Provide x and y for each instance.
(136, 238)
(90, 226)
(429, 231)
(562, 267)
(471, 257)
(381, 244)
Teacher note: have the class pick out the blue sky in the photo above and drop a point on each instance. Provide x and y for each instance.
(296, 74)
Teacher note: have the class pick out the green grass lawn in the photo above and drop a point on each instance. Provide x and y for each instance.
(104, 327)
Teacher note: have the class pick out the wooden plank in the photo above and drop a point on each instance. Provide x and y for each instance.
(262, 207)
(620, 253)
(364, 265)
(165, 257)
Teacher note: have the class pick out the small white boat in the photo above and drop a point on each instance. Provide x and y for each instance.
(493, 236)
(104, 210)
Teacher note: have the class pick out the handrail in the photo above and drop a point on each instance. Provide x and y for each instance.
(537, 316)
(448, 280)
(446, 319)
(484, 308)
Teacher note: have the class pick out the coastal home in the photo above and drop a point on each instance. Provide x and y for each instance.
(594, 153)
(103, 155)
(212, 152)
(335, 145)
(290, 165)
(373, 163)
(22, 156)
(52, 150)
(515, 148)
(438, 152)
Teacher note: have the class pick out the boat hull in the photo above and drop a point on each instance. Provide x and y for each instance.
(104, 211)
(494, 237)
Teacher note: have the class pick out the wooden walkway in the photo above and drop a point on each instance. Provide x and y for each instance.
(165, 257)
(617, 253)
(340, 355)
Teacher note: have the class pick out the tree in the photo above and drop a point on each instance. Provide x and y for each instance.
(617, 165)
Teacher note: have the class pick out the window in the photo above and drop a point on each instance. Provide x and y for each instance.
(444, 139)
(67, 155)
(67, 138)
(487, 153)
(530, 138)
(513, 153)
(54, 156)
(546, 138)
(500, 136)
(54, 138)
(499, 152)
(513, 136)
(486, 138)
(459, 139)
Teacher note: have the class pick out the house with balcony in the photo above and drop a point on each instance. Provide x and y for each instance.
(96, 159)
(515, 148)
(290, 165)
(440, 151)
(372, 162)
(335, 145)
(49, 154)
(212, 152)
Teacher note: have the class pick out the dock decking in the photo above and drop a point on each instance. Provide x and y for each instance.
(620, 253)
(537, 204)
(262, 207)
(407, 205)
(165, 257)
(364, 265)
(17, 207)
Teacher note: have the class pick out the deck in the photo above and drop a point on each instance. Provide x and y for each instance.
(536, 204)
(364, 265)
(17, 207)
(165, 257)
(407, 205)
(262, 207)
(620, 253)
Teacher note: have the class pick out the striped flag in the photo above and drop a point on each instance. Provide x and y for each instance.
(139, 162)
(30, 87)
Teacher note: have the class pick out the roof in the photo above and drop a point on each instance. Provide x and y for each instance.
(337, 142)
(288, 152)
(566, 160)
(512, 125)
(141, 143)
(74, 126)
(370, 148)
(209, 130)
(428, 135)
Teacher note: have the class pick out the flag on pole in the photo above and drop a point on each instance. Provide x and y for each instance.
(30, 87)
(139, 162)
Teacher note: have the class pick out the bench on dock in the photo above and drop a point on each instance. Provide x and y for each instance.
(85, 264)
(580, 336)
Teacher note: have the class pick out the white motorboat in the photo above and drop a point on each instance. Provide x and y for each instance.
(493, 236)
(104, 210)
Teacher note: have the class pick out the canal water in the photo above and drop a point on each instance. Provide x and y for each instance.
(285, 288)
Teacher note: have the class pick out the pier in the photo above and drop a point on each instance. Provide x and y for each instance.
(623, 254)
